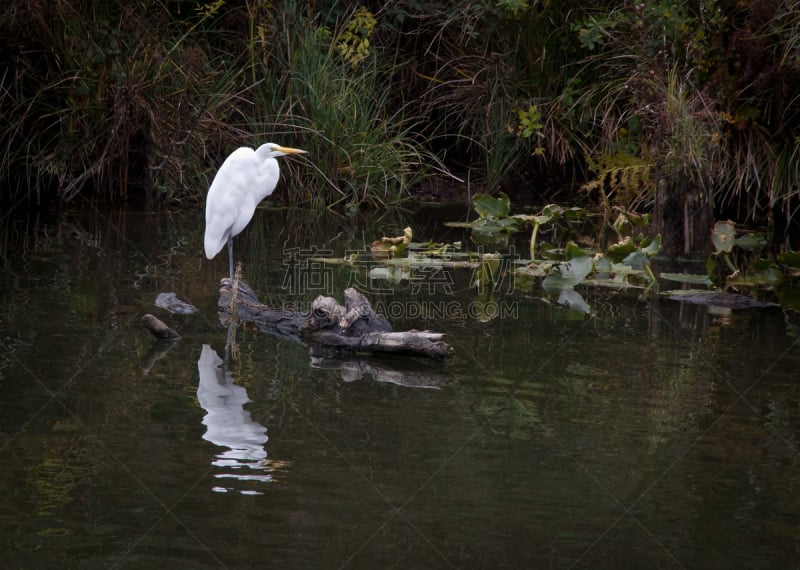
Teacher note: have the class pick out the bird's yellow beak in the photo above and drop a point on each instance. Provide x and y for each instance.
(289, 150)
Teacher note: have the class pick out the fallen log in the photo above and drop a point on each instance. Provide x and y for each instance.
(719, 299)
(352, 328)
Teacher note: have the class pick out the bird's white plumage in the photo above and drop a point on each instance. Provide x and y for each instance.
(238, 187)
(245, 178)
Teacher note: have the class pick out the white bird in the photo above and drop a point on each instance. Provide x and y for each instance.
(245, 178)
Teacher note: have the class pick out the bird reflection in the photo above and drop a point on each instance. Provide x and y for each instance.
(229, 425)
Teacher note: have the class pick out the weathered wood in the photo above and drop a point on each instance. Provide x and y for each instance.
(281, 322)
(356, 318)
(354, 327)
(721, 299)
(425, 343)
(683, 216)
(170, 302)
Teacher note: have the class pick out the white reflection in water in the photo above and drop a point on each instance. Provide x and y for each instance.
(229, 425)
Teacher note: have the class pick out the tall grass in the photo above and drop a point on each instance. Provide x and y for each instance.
(119, 100)
(136, 101)
(143, 100)
(655, 83)
(480, 64)
(359, 134)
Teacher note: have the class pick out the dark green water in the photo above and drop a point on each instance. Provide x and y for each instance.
(649, 435)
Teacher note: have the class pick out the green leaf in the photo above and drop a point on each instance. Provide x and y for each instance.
(653, 247)
(569, 273)
(393, 275)
(535, 269)
(723, 236)
(636, 259)
(618, 282)
(575, 213)
(790, 258)
(621, 249)
(491, 226)
(694, 279)
(489, 207)
(755, 242)
(552, 210)
(574, 251)
(760, 272)
(602, 264)
(536, 220)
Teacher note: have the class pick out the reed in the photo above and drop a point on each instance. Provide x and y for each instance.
(122, 102)
(363, 141)
(141, 101)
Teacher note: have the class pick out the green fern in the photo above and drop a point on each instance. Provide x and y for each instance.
(621, 178)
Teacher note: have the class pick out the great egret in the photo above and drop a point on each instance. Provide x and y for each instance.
(245, 178)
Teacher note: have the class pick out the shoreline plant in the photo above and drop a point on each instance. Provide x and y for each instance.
(687, 109)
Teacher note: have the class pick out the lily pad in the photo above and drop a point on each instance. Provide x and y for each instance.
(391, 274)
(790, 259)
(693, 279)
(621, 249)
(617, 282)
(489, 207)
(494, 223)
(723, 236)
(636, 259)
(653, 247)
(570, 273)
(755, 242)
(760, 272)
(602, 265)
(492, 226)
(448, 250)
(535, 269)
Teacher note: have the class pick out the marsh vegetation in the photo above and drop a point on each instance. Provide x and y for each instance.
(687, 109)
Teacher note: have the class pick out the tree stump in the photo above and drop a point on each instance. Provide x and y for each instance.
(683, 215)
(329, 326)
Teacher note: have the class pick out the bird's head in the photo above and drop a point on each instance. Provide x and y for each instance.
(271, 150)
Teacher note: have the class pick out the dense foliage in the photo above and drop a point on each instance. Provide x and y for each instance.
(144, 99)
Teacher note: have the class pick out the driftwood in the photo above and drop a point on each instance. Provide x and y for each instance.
(328, 326)
(721, 299)
(170, 302)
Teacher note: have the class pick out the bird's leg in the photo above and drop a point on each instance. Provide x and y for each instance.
(231, 348)
(230, 257)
